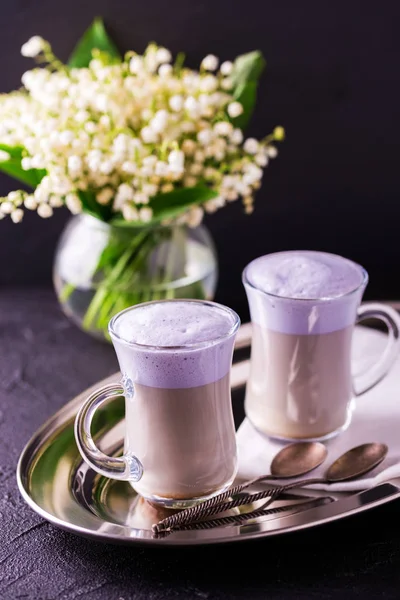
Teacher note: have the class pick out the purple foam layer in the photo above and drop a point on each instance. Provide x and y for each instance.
(304, 292)
(171, 324)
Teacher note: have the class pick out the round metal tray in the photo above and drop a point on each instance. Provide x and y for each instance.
(58, 485)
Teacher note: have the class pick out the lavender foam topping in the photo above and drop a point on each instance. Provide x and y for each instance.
(304, 292)
(169, 324)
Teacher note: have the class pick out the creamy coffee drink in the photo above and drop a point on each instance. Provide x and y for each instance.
(303, 307)
(179, 421)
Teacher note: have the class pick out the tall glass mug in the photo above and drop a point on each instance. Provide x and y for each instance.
(303, 307)
(175, 357)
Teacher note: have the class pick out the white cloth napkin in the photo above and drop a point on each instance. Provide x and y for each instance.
(376, 418)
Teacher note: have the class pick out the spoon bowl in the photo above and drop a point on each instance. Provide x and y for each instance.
(298, 459)
(356, 462)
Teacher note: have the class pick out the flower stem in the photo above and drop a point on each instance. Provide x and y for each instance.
(66, 292)
(117, 292)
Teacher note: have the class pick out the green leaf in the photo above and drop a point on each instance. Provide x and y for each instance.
(246, 72)
(13, 168)
(172, 204)
(179, 61)
(95, 37)
(247, 67)
(13, 151)
(169, 205)
(246, 94)
(92, 207)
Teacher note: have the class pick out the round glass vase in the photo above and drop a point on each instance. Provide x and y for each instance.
(101, 269)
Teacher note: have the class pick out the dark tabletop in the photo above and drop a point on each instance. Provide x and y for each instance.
(44, 362)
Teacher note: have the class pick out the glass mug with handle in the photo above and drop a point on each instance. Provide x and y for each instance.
(304, 306)
(175, 357)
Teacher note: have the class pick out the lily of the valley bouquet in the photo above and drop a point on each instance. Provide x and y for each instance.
(142, 144)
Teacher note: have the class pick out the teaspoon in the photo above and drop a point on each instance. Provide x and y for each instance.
(352, 464)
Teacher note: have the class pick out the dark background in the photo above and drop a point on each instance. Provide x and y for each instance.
(332, 81)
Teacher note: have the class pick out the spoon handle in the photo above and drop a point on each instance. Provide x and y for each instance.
(294, 484)
(240, 519)
(213, 504)
(200, 512)
(232, 491)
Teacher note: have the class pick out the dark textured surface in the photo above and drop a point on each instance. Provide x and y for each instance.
(332, 80)
(45, 361)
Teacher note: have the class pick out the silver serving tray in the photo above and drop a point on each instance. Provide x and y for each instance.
(60, 487)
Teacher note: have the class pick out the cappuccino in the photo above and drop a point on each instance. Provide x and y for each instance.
(303, 307)
(176, 361)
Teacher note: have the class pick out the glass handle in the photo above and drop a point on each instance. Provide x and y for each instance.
(377, 372)
(127, 467)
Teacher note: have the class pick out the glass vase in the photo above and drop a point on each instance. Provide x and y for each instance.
(100, 269)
